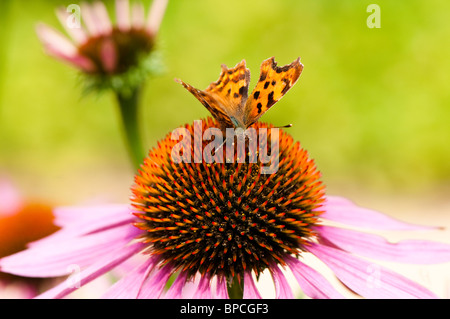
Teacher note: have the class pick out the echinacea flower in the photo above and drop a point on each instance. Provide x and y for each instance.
(116, 56)
(217, 226)
(98, 47)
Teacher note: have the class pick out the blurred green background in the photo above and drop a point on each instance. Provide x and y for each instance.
(372, 105)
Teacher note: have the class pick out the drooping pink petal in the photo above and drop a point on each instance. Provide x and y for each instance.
(130, 285)
(377, 247)
(101, 17)
(250, 290)
(78, 35)
(108, 53)
(203, 288)
(93, 271)
(156, 15)
(55, 40)
(80, 62)
(123, 14)
(282, 288)
(76, 215)
(81, 220)
(55, 258)
(153, 287)
(89, 19)
(10, 200)
(137, 15)
(338, 200)
(221, 289)
(343, 211)
(312, 283)
(190, 288)
(60, 47)
(176, 289)
(368, 279)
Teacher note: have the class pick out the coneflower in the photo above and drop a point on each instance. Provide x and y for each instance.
(100, 48)
(117, 56)
(217, 222)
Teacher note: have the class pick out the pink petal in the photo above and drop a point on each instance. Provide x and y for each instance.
(338, 200)
(137, 15)
(102, 18)
(176, 289)
(204, 288)
(130, 285)
(89, 19)
(108, 55)
(77, 34)
(10, 200)
(61, 48)
(82, 220)
(313, 284)
(221, 289)
(72, 215)
(282, 288)
(123, 14)
(56, 258)
(156, 16)
(368, 279)
(343, 211)
(153, 287)
(250, 290)
(55, 40)
(80, 62)
(95, 270)
(190, 288)
(374, 246)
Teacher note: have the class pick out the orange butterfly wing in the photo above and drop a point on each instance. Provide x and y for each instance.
(274, 82)
(211, 104)
(225, 99)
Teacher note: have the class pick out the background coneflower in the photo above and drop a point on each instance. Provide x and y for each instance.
(117, 56)
(21, 221)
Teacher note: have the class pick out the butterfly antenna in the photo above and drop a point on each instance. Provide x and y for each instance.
(284, 126)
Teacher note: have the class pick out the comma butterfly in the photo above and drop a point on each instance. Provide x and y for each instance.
(228, 101)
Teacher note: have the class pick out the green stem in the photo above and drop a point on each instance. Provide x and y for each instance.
(236, 288)
(128, 105)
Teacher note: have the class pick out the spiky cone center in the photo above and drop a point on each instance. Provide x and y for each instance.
(226, 218)
(126, 48)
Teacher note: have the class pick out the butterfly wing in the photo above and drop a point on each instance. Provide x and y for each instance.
(225, 99)
(211, 104)
(274, 82)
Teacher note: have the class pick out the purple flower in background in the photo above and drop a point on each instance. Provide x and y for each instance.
(99, 47)
(119, 56)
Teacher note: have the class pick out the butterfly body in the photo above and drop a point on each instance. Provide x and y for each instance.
(228, 100)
